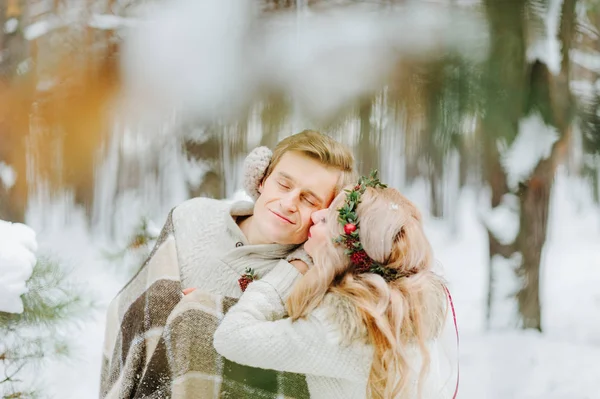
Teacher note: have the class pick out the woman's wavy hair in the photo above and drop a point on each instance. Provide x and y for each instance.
(400, 316)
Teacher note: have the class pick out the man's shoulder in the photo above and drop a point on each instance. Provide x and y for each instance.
(200, 207)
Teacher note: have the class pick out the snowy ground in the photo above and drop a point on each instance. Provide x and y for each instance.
(563, 362)
(560, 364)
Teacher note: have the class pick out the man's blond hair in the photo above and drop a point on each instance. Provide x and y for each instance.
(320, 147)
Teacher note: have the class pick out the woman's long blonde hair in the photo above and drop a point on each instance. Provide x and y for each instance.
(398, 315)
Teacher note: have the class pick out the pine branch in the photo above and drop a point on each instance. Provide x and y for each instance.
(10, 378)
(138, 246)
(50, 300)
(34, 335)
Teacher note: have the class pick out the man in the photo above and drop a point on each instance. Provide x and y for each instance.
(158, 345)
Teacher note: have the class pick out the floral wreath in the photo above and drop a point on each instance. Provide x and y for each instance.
(350, 238)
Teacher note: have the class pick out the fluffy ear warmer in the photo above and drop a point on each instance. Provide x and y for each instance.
(255, 166)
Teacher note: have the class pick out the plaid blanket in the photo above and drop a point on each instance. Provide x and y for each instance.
(159, 344)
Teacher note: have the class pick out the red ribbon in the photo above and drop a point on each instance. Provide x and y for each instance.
(457, 342)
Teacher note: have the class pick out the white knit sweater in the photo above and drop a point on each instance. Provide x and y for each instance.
(255, 333)
(212, 250)
(329, 346)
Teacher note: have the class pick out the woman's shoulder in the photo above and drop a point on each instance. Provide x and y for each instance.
(342, 319)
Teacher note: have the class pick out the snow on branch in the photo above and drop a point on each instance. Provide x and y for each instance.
(18, 248)
(533, 144)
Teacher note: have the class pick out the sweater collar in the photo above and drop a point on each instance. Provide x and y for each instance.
(268, 251)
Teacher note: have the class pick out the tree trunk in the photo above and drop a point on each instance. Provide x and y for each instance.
(534, 196)
(505, 98)
(496, 180)
(549, 96)
(212, 185)
(367, 159)
(13, 50)
(534, 203)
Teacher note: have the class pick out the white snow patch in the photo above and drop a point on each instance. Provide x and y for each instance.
(587, 59)
(533, 144)
(153, 228)
(503, 220)
(18, 246)
(109, 22)
(584, 89)
(24, 66)
(39, 29)
(547, 47)
(505, 284)
(527, 365)
(195, 170)
(239, 195)
(571, 275)
(46, 84)
(11, 25)
(8, 176)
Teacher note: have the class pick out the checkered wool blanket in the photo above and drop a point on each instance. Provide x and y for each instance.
(158, 343)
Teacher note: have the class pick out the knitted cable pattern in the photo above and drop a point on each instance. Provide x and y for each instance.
(255, 166)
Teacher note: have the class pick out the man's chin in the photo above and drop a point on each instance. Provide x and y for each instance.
(296, 242)
(284, 240)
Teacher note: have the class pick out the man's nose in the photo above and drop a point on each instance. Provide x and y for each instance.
(289, 202)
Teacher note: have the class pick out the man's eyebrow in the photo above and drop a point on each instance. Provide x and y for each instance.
(309, 192)
(286, 176)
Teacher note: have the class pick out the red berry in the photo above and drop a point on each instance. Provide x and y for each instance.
(246, 279)
(358, 258)
(349, 228)
(244, 282)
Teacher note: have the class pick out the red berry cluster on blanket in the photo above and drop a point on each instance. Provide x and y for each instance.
(248, 277)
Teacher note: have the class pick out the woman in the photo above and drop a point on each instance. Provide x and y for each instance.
(364, 319)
